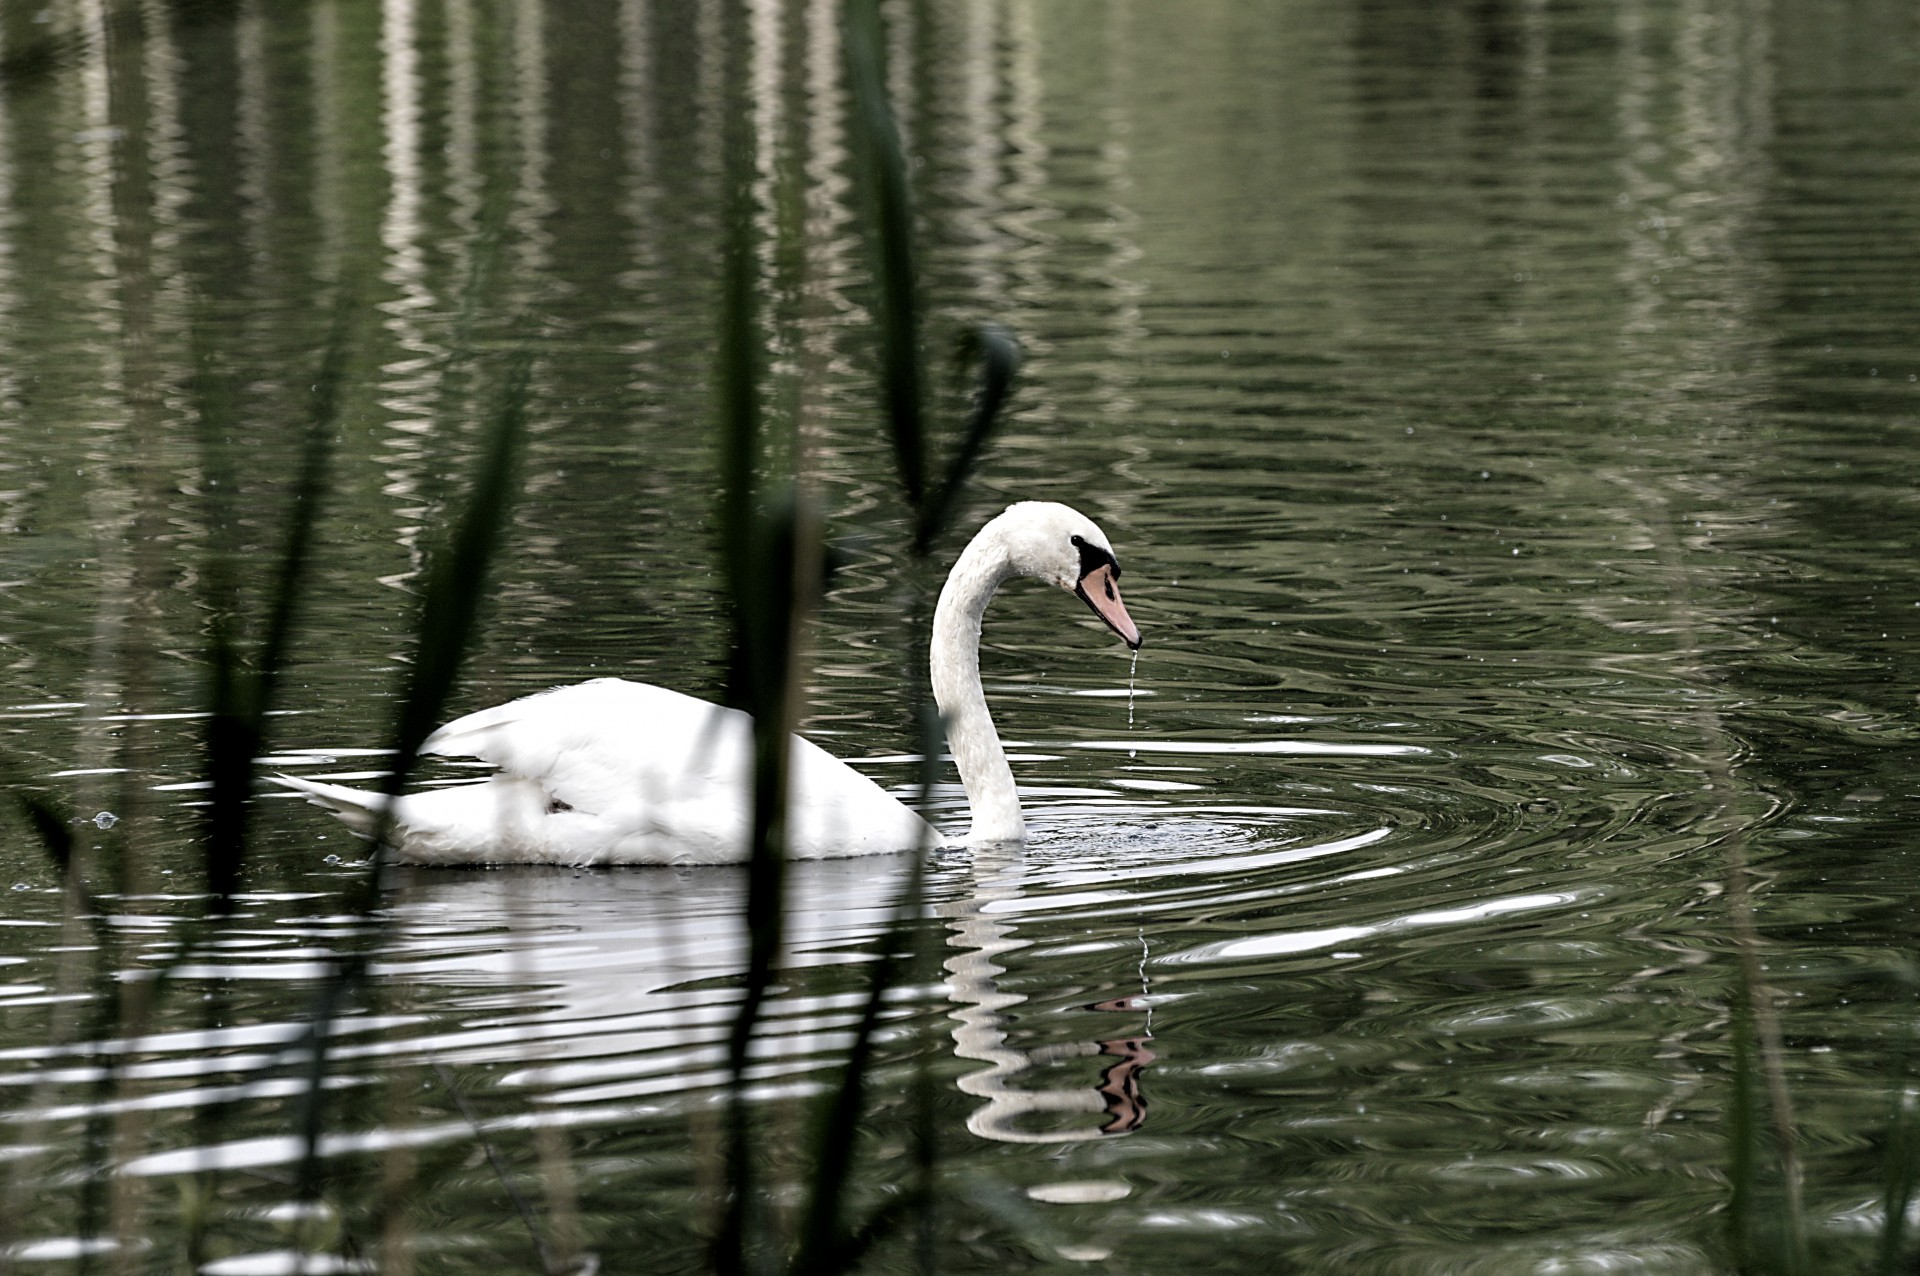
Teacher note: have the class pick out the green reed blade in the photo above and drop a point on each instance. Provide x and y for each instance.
(1743, 1139)
(1761, 1239)
(310, 489)
(757, 551)
(51, 826)
(226, 741)
(242, 698)
(1902, 1177)
(449, 612)
(826, 1244)
(997, 353)
(881, 175)
(456, 577)
(886, 1219)
(542, 1250)
(737, 408)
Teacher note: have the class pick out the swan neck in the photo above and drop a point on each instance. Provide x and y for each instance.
(954, 663)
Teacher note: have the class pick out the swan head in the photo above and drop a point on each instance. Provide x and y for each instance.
(1060, 545)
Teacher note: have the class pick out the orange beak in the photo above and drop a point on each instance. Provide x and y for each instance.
(1102, 593)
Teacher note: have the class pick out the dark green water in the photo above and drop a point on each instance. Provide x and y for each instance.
(1506, 414)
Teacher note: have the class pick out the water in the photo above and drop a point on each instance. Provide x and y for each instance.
(1505, 415)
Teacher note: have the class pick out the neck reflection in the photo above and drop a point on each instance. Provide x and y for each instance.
(984, 1030)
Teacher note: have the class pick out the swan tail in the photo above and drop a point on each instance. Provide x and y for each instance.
(499, 821)
(357, 808)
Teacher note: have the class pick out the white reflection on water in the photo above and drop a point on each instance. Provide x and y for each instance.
(1332, 936)
(1314, 747)
(983, 1032)
(284, 1262)
(602, 993)
(609, 987)
(58, 1249)
(605, 997)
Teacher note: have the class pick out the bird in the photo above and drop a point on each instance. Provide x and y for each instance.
(614, 772)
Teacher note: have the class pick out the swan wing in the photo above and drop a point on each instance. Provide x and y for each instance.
(632, 769)
(608, 744)
(835, 810)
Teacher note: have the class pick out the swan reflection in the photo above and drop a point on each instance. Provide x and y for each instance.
(602, 987)
(983, 1031)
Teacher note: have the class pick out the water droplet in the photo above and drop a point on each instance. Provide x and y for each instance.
(1132, 669)
(105, 820)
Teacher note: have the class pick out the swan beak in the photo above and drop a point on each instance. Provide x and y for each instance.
(1102, 593)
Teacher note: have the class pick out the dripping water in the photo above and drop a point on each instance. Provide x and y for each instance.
(1132, 669)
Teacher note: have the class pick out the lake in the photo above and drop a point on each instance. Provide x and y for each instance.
(1506, 414)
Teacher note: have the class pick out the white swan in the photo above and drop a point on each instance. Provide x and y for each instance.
(615, 772)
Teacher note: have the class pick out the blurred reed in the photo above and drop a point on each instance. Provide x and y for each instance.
(240, 694)
(456, 575)
(242, 691)
(829, 1241)
(458, 571)
(1744, 1122)
(772, 549)
(760, 566)
(52, 829)
(1902, 1175)
(1759, 1104)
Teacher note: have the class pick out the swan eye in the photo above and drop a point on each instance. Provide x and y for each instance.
(1093, 557)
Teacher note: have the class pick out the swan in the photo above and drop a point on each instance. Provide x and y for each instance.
(614, 772)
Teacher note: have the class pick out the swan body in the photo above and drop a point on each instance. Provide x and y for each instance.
(617, 772)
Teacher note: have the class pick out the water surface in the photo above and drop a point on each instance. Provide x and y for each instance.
(1505, 415)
